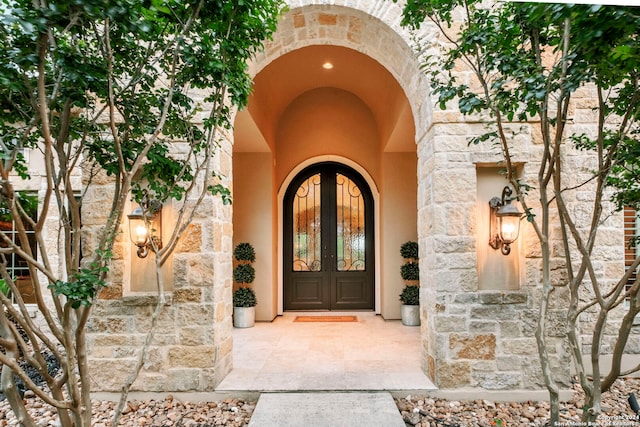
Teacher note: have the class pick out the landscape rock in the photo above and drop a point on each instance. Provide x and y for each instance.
(419, 411)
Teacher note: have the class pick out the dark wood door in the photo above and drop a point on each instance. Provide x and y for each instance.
(328, 240)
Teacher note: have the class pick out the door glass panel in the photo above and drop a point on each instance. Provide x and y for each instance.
(350, 225)
(306, 226)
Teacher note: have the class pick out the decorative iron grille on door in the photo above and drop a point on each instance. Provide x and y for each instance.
(307, 226)
(328, 240)
(350, 225)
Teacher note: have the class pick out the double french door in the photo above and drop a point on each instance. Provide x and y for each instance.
(328, 240)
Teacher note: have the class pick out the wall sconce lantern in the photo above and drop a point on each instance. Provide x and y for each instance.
(145, 226)
(504, 221)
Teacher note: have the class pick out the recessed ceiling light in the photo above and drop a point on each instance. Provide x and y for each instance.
(327, 65)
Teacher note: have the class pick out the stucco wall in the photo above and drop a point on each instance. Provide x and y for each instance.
(399, 224)
(327, 121)
(253, 219)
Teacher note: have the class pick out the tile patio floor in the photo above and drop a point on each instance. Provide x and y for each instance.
(283, 355)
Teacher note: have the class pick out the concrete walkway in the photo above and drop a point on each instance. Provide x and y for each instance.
(344, 409)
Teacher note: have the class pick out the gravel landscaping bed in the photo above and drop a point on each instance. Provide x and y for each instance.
(420, 411)
(167, 412)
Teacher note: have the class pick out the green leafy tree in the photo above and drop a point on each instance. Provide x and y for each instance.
(528, 63)
(135, 94)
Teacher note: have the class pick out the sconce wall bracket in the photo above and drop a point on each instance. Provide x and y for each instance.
(494, 238)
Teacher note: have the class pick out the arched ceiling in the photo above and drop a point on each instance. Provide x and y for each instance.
(300, 71)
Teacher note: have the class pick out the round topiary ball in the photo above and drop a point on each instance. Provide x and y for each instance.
(409, 250)
(244, 297)
(410, 271)
(244, 273)
(410, 295)
(244, 252)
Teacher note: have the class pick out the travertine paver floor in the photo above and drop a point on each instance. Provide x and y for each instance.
(283, 355)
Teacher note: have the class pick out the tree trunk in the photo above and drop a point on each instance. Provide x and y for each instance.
(7, 383)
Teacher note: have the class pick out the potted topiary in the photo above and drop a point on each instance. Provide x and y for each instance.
(244, 298)
(410, 296)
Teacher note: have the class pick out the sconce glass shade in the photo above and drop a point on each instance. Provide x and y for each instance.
(508, 223)
(138, 230)
(504, 221)
(141, 230)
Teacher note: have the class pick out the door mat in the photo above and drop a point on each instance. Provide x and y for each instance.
(326, 319)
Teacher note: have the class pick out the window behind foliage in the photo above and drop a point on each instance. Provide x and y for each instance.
(17, 268)
(632, 246)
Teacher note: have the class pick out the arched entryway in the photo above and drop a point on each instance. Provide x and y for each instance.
(328, 98)
(337, 84)
(328, 240)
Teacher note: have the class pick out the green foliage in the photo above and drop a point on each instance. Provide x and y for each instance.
(140, 91)
(4, 287)
(222, 191)
(527, 62)
(26, 200)
(244, 273)
(244, 297)
(410, 295)
(244, 252)
(625, 174)
(144, 58)
(515, 49)
(409, 250)
(410, 271)
(85, 284)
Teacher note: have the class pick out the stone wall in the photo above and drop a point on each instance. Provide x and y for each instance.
(485, 339)
(191, 347)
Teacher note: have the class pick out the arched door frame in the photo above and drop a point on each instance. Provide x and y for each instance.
(376, 212)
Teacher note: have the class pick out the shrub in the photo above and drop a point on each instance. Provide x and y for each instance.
(244, 273)
(410, 271)
(409, 250)
(244, 297)
(244, 252)
(410, 295)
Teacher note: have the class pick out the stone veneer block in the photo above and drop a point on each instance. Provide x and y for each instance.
(514, 298)
(191, 239)
(453, 375)
(327, 19)
(108, 324)
(193, 335)
(498, 380)
(111, 292)
(187, 295)
(473, 347)
(114, 373)
(190, 356)
(298, 20)
(490, 297)
(520, 346)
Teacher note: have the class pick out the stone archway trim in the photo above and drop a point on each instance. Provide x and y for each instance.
(372, 28)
